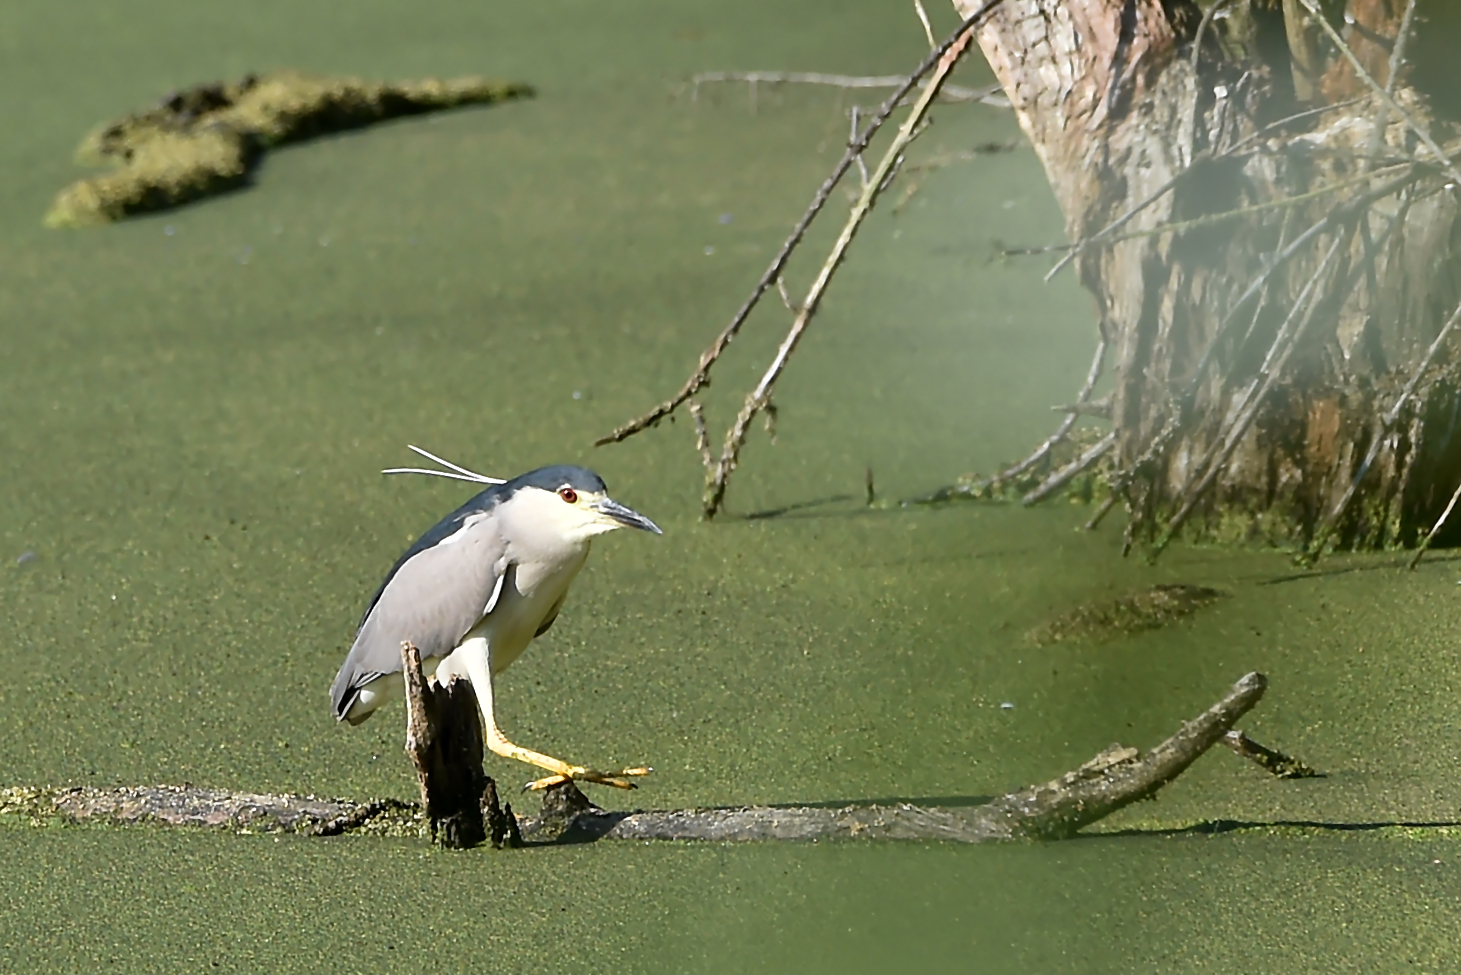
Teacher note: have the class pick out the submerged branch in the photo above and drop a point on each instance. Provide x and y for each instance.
(1052, 810)
(1271, 760)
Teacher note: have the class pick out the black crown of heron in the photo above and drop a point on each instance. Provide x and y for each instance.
(476, 589)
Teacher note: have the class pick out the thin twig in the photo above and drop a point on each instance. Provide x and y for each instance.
(1271, 760)
(1426, 542)
(1202, 26)
(1101, 512)
(702, 436)
(1284, 342)
(1397, 58)
(1074, 250)
(1092, 375)
(1215, 219)
(1062, 477)
(1387, 422)
(1122, 480)
(927, 27)
(851, 140)
(701, 376)
(791, 306)
(1098, 408)
(759, 397)
(1380, 92)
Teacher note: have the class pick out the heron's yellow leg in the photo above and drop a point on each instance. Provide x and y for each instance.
(479, 673)
(561, 770)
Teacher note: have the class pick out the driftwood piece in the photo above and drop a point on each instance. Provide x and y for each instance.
(444, 742)
(1053, 810)
(242, 812)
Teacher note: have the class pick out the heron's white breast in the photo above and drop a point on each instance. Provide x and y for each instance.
(528, 597)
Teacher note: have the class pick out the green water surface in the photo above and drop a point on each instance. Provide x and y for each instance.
(194, 406)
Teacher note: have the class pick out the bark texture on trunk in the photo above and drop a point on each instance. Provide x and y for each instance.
(1271, 307)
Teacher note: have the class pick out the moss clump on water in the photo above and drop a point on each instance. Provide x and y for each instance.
(1148, 609)
(210, 138)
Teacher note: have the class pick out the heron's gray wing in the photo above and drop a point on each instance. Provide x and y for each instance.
(432, 598)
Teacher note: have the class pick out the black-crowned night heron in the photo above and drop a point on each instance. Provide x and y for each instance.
(475, 590)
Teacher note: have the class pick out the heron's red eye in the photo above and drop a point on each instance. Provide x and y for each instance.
(568, 494)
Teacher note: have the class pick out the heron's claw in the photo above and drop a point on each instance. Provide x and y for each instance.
(619, 780)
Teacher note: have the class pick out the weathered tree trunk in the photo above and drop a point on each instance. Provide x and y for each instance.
(1283, 280)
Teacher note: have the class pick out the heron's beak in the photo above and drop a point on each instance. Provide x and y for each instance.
(625, 516)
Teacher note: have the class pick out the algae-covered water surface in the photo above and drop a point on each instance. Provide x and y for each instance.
(195, 406)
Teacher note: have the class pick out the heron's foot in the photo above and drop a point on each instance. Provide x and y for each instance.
(577, 773)
(561, 770)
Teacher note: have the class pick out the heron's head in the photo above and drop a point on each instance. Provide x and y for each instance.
(571, 504)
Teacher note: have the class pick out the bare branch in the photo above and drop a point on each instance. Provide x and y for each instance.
(1271, 760)
(759, 397)
(1063, 476)
(851, 140)
(701, 375)
(1092, 375)
(1426, 542)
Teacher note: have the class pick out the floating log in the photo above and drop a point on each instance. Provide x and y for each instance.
(1057, 809)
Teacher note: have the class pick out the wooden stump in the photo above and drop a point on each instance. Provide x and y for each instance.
(444, 740)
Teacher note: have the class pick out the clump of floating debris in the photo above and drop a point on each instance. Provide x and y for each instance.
(208, 139)
(1132, 613)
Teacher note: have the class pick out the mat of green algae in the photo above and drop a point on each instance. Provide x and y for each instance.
(195, 405)
(203, 902)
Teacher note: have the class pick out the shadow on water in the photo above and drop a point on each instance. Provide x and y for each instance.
(923, 802)
(1342, 570)
(604, 822)
(1218, 826)
(785, 510)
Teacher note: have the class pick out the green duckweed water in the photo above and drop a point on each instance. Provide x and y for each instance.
(196, 404)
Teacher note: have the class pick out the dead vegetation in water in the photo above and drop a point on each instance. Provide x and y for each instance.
(1134, 612)
(210, 138)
